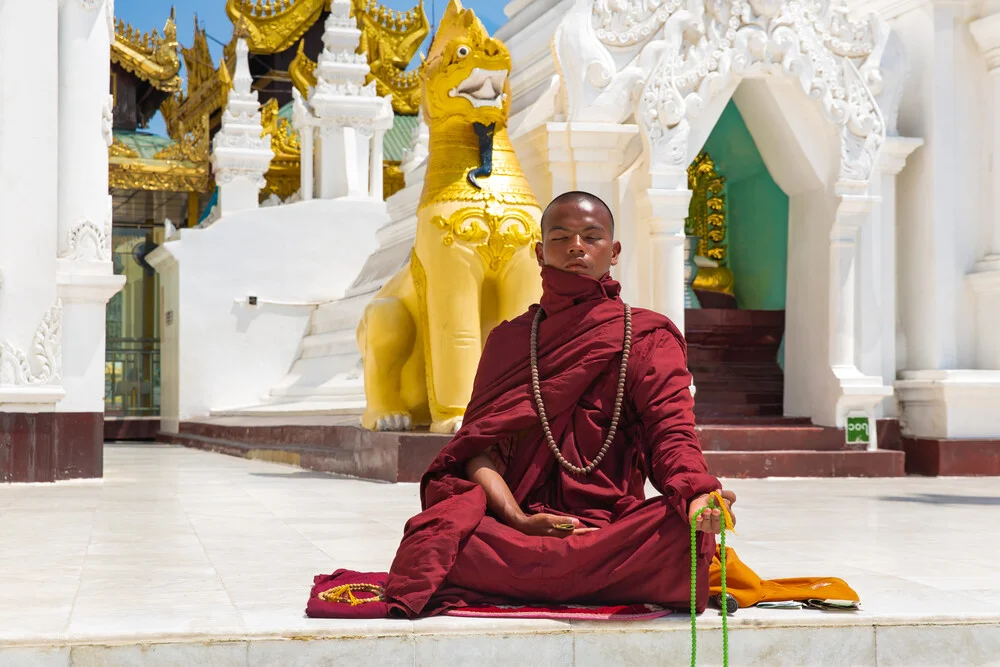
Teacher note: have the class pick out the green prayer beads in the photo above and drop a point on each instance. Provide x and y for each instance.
(694, 585)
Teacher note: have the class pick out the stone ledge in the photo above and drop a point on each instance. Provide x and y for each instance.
(798, 638)
(950, 404)
(948, 458)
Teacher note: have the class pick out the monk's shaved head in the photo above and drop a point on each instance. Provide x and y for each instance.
(586, 202)
(578, 235)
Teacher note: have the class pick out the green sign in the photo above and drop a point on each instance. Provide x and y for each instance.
(858, 431)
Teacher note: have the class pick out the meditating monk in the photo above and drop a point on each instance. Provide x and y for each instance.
(540, 496)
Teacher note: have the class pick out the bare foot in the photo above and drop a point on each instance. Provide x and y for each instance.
(448, 426)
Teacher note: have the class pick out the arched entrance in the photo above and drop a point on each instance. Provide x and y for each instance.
(804, 76)
(820, 154)
(735, 319)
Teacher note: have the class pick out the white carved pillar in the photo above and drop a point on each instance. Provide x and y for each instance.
(598, 153)
(560, 159)
(347, 111)
(986, 32)
(375, 180)
(84, 132)
(879, 325)
(856, 392)
(85, 278)
(669, 209)
(302, 121)
(240, 155)
(985, 277)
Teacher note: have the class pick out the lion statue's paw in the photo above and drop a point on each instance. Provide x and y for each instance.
(395, 421)
(447, 426)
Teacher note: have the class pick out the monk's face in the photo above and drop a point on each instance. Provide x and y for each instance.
(577, 237)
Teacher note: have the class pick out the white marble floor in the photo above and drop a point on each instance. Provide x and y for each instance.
(184, 557)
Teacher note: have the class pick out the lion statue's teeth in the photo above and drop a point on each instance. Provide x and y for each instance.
(483, 87)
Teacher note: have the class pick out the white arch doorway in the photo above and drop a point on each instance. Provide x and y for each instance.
(804, 78)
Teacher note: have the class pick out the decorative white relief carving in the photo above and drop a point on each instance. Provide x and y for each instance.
(46, 348)
(595, 90)
(629, 22)
(88, 241)
(340, 73)
(835, 60)
(239, 150)
(90, 5)
(108, 120)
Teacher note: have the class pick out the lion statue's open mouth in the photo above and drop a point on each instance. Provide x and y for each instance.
(483, 88)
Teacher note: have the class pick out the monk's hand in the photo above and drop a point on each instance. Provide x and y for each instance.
(550, 525)
(710, 521)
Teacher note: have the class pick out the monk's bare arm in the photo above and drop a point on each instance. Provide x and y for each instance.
(503, 505)
(499, 499)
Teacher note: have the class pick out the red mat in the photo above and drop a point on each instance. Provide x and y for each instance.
(632, 612)
(369, 603)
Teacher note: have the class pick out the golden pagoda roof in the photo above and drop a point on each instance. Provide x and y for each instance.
(207, 87)
(149, 56)
(143, 161)
(273, 26)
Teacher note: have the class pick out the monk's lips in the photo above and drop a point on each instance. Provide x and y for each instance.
(483, 88)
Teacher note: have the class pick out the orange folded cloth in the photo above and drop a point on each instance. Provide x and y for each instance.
(749, 589)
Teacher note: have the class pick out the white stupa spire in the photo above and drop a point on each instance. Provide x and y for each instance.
(240, 155)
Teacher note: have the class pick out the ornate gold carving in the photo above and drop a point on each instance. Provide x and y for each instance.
(271, 26)
(707, 220)
(119, 149)
(393, 179)
(496, 231)
(207, 88)
(302, 71)
(149, 56)
(390, 39)
(193, 146)
(143, 175)
(283, 178)
(180, 167)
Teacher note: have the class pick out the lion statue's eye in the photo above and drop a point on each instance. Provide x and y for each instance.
(462, 51)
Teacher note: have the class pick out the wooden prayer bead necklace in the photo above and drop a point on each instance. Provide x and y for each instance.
(536, 388)
(345, 594)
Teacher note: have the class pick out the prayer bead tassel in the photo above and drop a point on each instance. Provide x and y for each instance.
(619, 396)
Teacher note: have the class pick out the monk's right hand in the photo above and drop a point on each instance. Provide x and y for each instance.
(549, 525)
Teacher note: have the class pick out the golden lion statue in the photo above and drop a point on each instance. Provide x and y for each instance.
(473, 264)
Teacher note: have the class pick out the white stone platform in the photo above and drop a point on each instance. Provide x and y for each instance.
(181, 557)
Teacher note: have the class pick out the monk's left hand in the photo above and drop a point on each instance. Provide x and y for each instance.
(710, 521)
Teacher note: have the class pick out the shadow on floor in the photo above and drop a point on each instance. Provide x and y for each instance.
(944, 499)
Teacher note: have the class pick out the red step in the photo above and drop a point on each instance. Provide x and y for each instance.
(765, 438)
(880, 463)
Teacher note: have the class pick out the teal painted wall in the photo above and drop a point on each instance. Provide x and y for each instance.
(757, 213)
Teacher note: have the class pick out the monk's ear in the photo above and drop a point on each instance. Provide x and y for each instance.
(616, 250)
(539, 255)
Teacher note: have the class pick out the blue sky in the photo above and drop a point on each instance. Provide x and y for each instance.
(148, 14)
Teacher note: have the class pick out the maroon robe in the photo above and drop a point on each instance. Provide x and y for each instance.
(456, 553)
